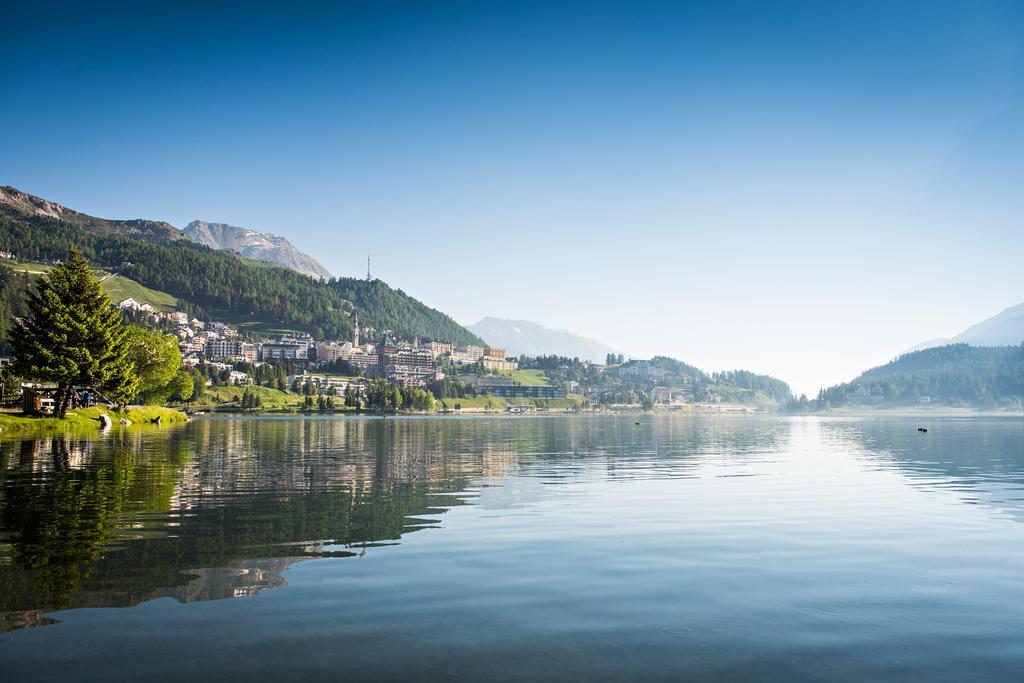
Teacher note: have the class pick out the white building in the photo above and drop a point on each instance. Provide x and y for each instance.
(131, 304)
(223, 348)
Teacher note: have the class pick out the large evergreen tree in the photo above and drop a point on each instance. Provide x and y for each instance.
(71, 334)
(12, 303)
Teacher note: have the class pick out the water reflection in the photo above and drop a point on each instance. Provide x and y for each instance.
(980, 461)
(127, 518)
(222, 507)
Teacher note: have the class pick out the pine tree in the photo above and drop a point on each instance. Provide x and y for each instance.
(71, 335)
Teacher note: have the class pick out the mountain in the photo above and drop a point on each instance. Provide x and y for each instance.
(260, 246)
(522, 337)
(18, 204)
(1004, 329)
(253, 295)
(957, 374)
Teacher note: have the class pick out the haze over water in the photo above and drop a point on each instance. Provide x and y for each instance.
(550, 548)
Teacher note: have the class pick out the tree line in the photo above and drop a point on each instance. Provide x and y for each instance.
(221, 282)
(952, 375)
(71, 336)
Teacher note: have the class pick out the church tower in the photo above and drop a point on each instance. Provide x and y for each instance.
(355, 332)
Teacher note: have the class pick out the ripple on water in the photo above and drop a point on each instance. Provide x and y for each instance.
(691, 548)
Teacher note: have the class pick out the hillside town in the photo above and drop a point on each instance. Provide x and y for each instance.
(240, 367)
(344, 368)
(269, 367)
(341, 367)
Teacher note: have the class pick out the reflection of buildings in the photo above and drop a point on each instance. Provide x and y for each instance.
(238, 581)
(218, 508)
(242, 457)
(47, 455)
(18, 620)
(222, 507)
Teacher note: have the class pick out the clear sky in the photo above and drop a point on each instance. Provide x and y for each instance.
(804, 189)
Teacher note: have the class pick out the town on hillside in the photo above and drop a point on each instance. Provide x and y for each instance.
(341, 368)
(462, 377)
(181, 359)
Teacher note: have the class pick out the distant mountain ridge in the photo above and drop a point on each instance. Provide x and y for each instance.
(18, 204)
(223, 284)
(260, 246)
(1004, 329)
(522, 337)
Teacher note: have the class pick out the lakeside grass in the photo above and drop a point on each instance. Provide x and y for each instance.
(86, 419)
(246, 324)
(218, 399)
(497, 404)
(528, 378)
(274, 400)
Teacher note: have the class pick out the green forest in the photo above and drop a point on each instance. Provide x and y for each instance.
(618, 384)
(223, 283)
(950, 375)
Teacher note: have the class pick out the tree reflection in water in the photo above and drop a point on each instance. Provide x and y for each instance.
(221, 507)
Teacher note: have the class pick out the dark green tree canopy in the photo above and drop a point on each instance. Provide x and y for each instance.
(229, 287)
(71, 335)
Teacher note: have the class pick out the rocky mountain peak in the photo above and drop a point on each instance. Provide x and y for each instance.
(262, 246)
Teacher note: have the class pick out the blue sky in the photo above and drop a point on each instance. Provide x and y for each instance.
(804, 189)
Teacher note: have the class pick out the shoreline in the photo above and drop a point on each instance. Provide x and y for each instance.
(480, 412)
(85, 420)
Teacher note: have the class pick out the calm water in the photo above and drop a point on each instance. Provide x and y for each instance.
(575, 548)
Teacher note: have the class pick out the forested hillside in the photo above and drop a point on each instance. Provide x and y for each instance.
(678, 373)
(950, 375)
(629, 382)
(21, 205)
(772, 387)
(379, 305)
(225, 283)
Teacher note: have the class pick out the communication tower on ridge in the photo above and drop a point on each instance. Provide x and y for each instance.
(369, 278)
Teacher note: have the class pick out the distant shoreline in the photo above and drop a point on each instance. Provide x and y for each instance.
(938, 411)
(85, 422)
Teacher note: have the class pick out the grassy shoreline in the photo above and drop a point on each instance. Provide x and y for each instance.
(87, 419)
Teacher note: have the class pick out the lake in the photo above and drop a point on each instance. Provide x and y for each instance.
(506, 549)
